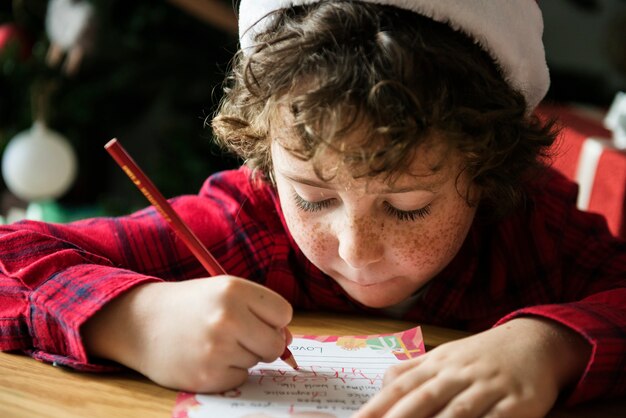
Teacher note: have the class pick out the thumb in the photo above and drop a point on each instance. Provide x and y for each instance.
(288, 336)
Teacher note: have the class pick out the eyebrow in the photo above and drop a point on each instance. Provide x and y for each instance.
(323, 185)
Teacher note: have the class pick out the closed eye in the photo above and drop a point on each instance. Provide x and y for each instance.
(407, 215)
(402, 215)
(308, 206)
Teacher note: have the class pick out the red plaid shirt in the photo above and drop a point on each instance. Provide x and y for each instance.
(547, 259)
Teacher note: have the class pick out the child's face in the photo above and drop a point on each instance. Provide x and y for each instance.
(379, 243)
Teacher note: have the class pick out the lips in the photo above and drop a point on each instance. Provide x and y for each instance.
(360, 281)
(362, 284)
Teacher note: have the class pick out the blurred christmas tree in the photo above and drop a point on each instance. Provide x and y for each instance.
(144, 71)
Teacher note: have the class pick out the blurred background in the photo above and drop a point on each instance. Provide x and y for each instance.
(76, 73)
(147, 72)
(585, 43)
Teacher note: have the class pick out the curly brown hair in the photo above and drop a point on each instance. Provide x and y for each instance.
(339, 65)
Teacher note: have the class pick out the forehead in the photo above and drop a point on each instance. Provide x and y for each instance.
(350, 133)
(360, 153)
(431, 165)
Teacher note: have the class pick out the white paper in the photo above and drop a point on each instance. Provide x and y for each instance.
(334, 379)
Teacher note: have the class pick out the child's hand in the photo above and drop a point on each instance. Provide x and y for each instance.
(199, 335)
(514, 370)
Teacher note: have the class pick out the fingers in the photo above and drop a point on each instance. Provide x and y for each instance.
(416, 394)
(516, 406)
(266, 333)
(396, 371)
(255, 316)
(443, 395)
(475, 401)
(262, 340)
(203, 335)
(232, 378)
(211, 381)
(466, 379)
(269, 306)
(288, 336)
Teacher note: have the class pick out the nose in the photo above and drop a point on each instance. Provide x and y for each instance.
(360, 242)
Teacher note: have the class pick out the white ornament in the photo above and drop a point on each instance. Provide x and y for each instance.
(615, 120)
(68, 24)
(67, 20)
(39, 164)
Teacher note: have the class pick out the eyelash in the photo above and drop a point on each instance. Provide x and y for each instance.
(408, 215)
(307, 206)
(402, 215)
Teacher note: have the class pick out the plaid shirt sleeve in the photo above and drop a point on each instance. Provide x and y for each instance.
(591, 290)
(54, 277)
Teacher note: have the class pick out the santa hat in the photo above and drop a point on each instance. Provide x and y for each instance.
(509, 30)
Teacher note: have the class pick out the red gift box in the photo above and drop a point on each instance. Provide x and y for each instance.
(584, 152)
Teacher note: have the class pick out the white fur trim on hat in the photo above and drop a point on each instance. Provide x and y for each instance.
(509, 30)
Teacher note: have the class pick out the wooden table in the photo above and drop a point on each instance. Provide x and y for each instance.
(29, 388)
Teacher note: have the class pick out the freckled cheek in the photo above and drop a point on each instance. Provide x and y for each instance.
(313, 237)
(320, 242)
(430, 243)
(413, 247)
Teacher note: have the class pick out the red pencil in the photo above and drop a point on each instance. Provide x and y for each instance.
(155, 197)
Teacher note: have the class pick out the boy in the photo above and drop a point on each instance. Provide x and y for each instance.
(393, 166)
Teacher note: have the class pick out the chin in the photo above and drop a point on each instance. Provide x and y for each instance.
(378, 295)
(372, 297)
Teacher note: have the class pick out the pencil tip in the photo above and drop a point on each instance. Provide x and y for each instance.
(291, 361)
